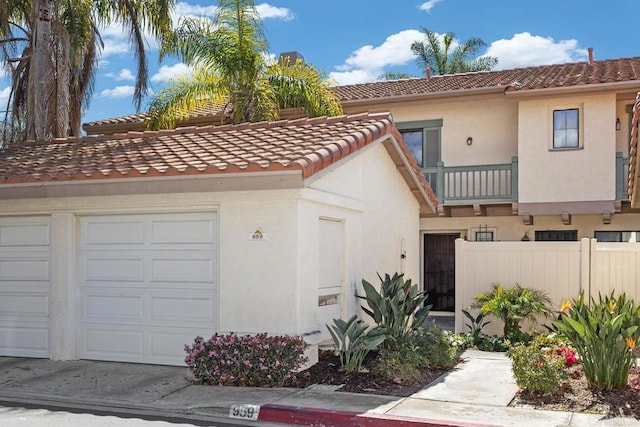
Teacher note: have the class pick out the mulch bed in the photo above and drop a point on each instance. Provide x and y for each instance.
(327, 371)
(576, 396)
(573, 396)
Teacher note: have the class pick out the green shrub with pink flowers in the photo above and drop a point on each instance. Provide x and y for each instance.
(250, 360)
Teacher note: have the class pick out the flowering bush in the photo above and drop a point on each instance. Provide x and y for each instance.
(605, 334)
(250, 360)
(539, 365)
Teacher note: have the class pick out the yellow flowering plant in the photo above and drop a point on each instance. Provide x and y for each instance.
(604, 334)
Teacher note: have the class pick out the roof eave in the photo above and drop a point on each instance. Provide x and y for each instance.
(429, 95)
(580, 88)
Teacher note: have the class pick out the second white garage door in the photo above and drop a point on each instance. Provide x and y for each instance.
(148, 285)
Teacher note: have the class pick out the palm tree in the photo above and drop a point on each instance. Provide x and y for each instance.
(228, 56)
(51, 49)
(436, 54)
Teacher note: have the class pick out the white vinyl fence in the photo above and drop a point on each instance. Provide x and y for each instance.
(562, 269)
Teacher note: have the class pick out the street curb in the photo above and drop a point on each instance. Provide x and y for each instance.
(329, 418)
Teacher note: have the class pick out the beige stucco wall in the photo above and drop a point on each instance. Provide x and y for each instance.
(491, 121)
(511, 228)
(584, 174)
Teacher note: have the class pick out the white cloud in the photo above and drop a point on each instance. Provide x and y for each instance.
(267, 11)
(524, 49)
(117, 92)
(369, 61)
(427, 6)
(193, 10)
(168, 72)
(4, 97)
(124, 74)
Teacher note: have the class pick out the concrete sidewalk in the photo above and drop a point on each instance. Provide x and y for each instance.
(476, 393)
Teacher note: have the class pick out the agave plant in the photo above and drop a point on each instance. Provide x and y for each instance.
(353, 340)
(398, 307)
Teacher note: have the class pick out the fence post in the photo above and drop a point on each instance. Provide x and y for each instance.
(586, 268)
(514, 178)
(460, 296)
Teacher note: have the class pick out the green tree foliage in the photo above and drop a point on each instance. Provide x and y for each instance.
(445, 56)
(229, 56)
(513, 305)
(50, 49)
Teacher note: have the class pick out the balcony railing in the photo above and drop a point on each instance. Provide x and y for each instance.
(499, 182)
(479, 182)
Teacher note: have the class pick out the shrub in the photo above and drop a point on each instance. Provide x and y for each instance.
(513, 305)
(353, 341)
(605, 337)
(250, 360)
(538, 366)
(402, 359)
(398, 307)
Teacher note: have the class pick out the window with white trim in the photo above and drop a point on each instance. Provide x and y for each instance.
(617, 236)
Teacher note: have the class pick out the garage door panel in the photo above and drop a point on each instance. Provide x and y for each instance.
(114, 269)
(119, 344)
(24, 269)
(25, 339)
(151, 296)
(175, 309)
(182, 269)
(112, 307)
(24, 234)
(112, 231)
(182, 232)
(29, 304)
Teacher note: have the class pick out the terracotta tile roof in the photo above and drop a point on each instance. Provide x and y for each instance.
(634, 159)
(520, 79)
(307, 145)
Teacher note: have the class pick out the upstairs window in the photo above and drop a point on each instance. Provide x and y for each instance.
(566, 128)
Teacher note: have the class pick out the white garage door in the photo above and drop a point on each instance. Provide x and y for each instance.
(24, 286)
(148, 285)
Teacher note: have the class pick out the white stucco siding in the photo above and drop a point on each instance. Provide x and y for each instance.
(259, 277)
(583, 174)
(381, 218)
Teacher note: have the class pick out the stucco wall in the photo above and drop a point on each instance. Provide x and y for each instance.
(381, 218)
(491, 121)
(511, 228)
(584, 174)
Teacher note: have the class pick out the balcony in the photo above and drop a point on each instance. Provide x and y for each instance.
(495, 184)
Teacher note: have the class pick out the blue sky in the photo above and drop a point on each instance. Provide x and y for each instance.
(355, 41)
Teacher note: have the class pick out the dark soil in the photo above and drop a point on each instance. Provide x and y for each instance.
(574, 395)
(327, 371)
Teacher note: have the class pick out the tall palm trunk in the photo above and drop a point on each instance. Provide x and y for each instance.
(48, 91)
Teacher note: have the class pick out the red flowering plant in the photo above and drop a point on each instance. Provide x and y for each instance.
(250, 360)
(539, 366)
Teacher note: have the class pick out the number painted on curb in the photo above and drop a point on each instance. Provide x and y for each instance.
(244, 411)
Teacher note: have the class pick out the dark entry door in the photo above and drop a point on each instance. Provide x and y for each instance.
(440, 270)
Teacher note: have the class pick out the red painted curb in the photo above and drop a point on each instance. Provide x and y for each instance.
(330, 418)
